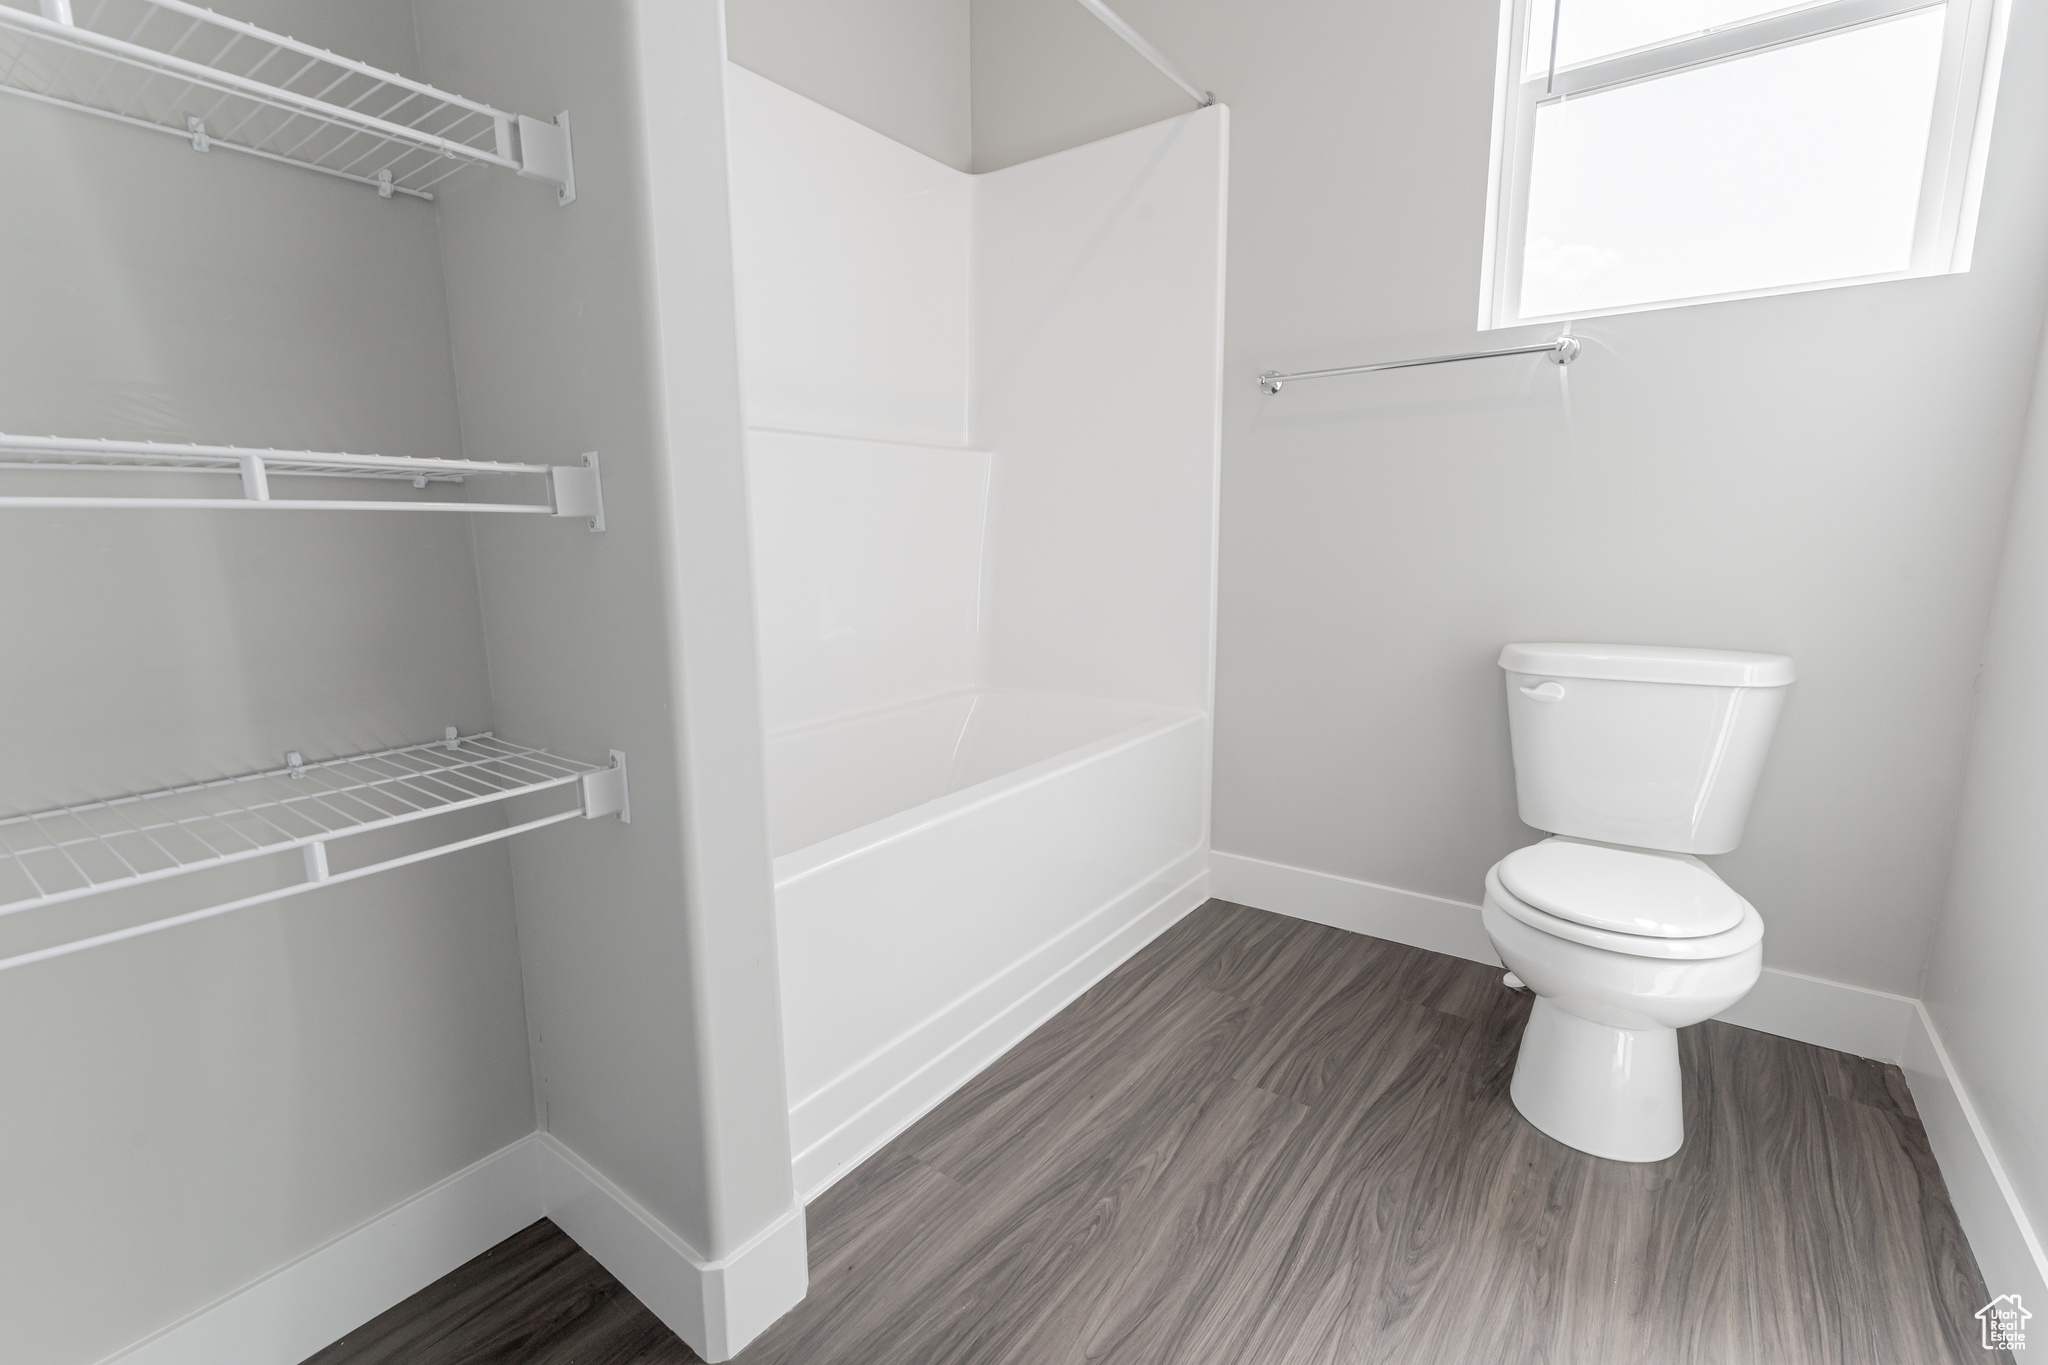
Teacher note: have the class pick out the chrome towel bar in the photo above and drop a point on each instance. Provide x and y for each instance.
(1562, 351)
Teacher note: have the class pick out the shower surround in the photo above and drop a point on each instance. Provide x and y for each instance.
(983, 450)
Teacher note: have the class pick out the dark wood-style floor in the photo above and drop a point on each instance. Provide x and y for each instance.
(1261, 1142)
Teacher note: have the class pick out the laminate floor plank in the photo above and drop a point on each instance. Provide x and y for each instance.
(1009, 1132)
(1055, 1073)
(534, 1299)
(1267, 1142)
(1162, 1130)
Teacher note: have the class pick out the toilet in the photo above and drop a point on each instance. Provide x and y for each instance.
(1635, 759)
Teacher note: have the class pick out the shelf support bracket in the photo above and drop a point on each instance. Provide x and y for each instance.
(316, 862)
(59, 11)
(604, 791)
(544, 154)
(255, 479)
(574, 491)
(196, 127)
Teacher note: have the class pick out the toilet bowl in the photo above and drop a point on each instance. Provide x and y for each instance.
(1598, 1068)
(1634, 758)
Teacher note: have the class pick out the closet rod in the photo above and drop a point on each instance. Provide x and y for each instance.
(1562, 351)
(1144, 49)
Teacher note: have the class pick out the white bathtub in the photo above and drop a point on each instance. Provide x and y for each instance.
(948, 874)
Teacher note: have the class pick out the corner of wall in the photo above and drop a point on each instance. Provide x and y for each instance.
(717, 1306)
(700, 500)
(2007, 1246)
(301, 1308)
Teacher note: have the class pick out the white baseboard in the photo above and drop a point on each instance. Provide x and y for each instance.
(716, 1306)
(879, 1099)
(1827, 1013)
(309, 1303)
(330, 1291)
(1808, 1009)
(2008, 1249)
(1410, 917)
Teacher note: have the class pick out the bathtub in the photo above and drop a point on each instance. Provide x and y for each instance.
(948, 874)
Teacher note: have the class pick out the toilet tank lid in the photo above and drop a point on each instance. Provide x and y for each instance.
(1651, 663)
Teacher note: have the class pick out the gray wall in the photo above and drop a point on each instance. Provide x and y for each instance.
(1048, 75)
(898, 66)
(1823, 474)
(1984, 985)
(188, 1111)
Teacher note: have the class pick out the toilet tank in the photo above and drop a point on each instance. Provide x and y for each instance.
(1644, 745)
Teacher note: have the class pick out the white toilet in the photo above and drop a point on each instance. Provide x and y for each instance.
(1635, 758)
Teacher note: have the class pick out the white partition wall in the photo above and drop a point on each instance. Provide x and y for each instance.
(983, 459)
(608, 325)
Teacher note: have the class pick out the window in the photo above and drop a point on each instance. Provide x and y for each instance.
(1647, 155)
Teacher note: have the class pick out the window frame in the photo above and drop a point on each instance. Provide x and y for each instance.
(1951, 178)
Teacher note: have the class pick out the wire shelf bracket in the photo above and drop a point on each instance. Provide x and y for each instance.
(567, 490)
(66, 854)
(214, 81)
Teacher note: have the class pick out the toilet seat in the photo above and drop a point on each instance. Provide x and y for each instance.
(1746, 934)
(1622, 890)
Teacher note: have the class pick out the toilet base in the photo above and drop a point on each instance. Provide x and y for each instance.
(1612, 1092)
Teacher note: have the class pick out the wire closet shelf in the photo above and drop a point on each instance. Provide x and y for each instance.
(568, 490)
(53, 856)
(178, 68)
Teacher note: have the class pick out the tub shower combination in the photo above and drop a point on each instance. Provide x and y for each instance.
(985, 583)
